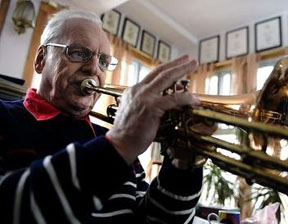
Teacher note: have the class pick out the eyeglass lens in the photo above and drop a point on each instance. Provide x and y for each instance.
(76, 53)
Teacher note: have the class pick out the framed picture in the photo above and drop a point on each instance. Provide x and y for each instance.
(164, 51)
(209, 49)
(131, 32)
(148, 43)
(237, 42)
(268, 34)
(111, 21)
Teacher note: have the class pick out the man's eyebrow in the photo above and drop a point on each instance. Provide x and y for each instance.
(103, 53)
(78, 44)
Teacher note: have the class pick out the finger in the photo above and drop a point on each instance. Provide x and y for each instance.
(165, 66)
(169, 153)
(168, 102)
(180, 164)
(202, 128)
(118, 99)
(166, 78)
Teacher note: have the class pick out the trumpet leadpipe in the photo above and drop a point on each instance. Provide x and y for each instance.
(89, 86)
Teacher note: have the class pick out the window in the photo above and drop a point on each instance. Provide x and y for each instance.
(264, 70)
(218, 84)
(136, 72)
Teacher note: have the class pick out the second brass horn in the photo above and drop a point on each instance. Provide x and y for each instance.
(263, 125)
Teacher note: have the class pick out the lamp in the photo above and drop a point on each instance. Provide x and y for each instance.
(24, 16)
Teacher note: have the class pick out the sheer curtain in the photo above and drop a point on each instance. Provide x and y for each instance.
(244, 80)
(244, 74)
(198, 78)
(122, 52)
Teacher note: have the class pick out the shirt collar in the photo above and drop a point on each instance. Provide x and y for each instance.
(41, 109)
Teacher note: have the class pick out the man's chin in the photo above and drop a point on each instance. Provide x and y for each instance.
(79, 111)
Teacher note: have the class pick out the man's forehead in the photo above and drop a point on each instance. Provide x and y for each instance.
(75, 25)
(83, 31)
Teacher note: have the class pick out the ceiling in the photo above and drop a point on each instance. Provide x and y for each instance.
(182, 23)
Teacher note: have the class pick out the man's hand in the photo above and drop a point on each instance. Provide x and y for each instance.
(182, 154)
(143, 105)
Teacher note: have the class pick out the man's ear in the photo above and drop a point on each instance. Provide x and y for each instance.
(39, 62)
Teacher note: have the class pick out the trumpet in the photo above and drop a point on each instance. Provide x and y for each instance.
(263, 128)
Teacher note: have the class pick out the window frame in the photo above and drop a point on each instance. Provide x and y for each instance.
(220, 74)
(265, 63)
(139, 63)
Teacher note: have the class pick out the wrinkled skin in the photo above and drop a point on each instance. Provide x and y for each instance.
(143, 105)
(61, 79)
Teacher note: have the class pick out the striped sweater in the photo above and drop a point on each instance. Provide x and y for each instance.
(54, 170)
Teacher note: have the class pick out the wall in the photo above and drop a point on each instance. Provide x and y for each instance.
(14, 47)
(284, 23)
(174, 50)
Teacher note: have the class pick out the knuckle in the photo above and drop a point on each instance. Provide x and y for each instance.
(164, 75)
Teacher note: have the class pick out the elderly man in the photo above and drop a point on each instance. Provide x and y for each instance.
(58, 167)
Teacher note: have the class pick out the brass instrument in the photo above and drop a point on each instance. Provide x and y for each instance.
(263, 126)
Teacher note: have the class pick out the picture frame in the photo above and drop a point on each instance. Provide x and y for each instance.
(268, 34)
(209, 49)
(237, 42)
(148, 41)
(164, 51)
(111, 21)
(131, 32)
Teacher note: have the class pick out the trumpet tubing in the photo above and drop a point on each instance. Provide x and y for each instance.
(261, 117)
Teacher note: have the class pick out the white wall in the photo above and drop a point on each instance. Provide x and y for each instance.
(14, 47)
(284, 23)
(174, 50)
(251, 25)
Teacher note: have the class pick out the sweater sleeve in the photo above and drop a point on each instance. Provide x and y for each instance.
(173, 195)
(60, 187)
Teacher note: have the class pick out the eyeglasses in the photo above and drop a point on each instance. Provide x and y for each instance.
(78, 53)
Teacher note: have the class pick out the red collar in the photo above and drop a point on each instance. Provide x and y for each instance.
(38, 107)
(41, 109)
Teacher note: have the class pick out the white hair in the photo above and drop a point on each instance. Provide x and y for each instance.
(54, 26)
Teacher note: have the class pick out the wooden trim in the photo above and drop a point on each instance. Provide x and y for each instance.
(44, 11)
(143, 57)
(4, 6)
(273, 53)
(263, 56)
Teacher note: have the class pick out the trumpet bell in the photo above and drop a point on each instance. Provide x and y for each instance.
(272, 102)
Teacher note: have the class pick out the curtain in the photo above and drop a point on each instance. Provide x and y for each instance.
(244, 74)
(244, 80)
(122, 52)
(252, 66)
(238, 78)
(197, 79)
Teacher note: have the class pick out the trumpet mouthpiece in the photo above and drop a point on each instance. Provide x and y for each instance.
(87, 86)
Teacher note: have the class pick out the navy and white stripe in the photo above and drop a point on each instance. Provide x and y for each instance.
(83, 182)
(113, 207)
